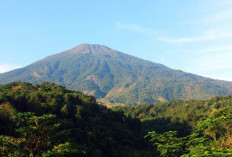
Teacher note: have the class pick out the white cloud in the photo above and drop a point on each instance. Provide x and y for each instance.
(212, 22)
(7, 67)
(203, 44)
(215, 49)
(218, 16)
(207, 51)
(205, 36)
(180, 40)
(135, 28)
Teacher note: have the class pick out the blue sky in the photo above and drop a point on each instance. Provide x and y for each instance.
(191, 35)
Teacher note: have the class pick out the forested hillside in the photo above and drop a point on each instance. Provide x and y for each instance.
(49, 120)
(187, 128)
(117, 78)
(178, 110)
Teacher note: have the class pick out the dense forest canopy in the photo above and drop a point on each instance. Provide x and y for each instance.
(187, 128)
(49, 120)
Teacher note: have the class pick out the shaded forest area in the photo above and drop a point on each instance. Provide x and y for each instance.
(187, 128)
(49, 120)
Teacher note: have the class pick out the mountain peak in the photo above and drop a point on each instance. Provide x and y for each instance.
(115, 77)
(90, 48)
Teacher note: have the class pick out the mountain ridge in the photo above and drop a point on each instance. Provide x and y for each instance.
(117, 77)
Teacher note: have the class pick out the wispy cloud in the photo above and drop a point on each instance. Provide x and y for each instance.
(201, 42)
(217, 16)
(213, 22)
(213, 11)
(205, 36)
(135, 28)
(7, 67)
(215, 49)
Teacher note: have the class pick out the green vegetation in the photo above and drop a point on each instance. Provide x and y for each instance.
(49, 120)
(210, 137)
(187, 128)
(117, 77)
(167, 143)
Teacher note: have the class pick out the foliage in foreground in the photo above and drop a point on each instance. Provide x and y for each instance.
(36, 135)
(210, 137)
(49, 120)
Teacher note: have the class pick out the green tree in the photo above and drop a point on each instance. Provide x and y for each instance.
(212, 136)
(66, 149)
(167, 144)
(218, 126)
(39, 132)
(10, 146)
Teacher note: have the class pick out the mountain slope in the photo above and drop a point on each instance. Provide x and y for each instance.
(116, 77)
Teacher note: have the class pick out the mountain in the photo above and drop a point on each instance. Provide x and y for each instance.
(114, 77)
